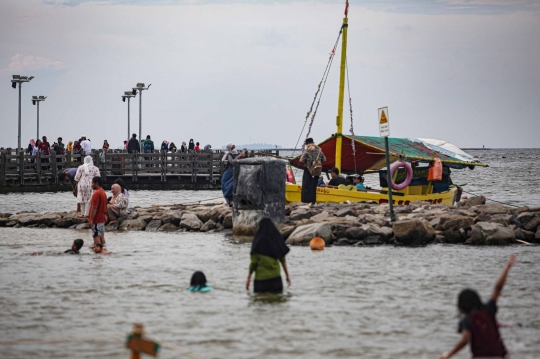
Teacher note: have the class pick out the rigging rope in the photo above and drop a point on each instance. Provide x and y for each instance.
(320, 89)
(350, 109)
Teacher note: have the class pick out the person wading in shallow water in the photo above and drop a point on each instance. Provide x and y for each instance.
(313, 158)
(268, 250)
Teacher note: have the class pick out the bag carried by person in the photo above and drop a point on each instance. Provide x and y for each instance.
(147, 147)
(316, 167)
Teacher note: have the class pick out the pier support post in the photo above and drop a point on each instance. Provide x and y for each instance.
(21, 166)
(3, 164)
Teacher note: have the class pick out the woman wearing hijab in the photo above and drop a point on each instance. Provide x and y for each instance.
(183, 148)
(227, 179)
(69, 146)
(84, 176)
(31, 146)
(268, 250)
(191, 147)
(311, 153)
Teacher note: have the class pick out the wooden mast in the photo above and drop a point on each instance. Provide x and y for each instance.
(339, 119)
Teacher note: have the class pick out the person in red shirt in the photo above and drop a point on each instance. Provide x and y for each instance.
(197, 148)
(98, 211)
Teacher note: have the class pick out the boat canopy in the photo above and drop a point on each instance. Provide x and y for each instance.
(369, 153)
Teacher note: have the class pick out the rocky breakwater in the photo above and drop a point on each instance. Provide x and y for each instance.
(163, 218)
(471, 222)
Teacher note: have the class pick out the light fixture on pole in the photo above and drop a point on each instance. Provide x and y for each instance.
(140, 87)
(35, 101)
(128, 95)
(17, 79)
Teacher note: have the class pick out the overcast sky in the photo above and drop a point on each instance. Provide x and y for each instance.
(466, 71)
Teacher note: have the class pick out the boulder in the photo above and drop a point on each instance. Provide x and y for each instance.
(167, 227)
(525, 217)
(112, 227)
(384, 233)
(133, 224)
(227, 221)
(339, 230)
(146, 218)
(473, 201)
(191, 222)
(494, 209)
(153, 225)
(63, 222)
(5, 215)
(524, 235)
(413, 232)
(83, 226)
(27, 220)
(321, 217)
(304, 234)
(286, 230)
(537, 236)
(482, 217)
(347, 211)
(357, 232)
(4, 221)
(301, 213)
(533, 224)
(453, 236)
(219, 228)
(78, 220)
(454, 222)
(491, 234)
(132, 215)
(208, 226)
(47, 219)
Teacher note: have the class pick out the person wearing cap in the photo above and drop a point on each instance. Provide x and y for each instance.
(311, 153)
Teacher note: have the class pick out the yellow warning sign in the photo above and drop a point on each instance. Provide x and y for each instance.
(383, 118)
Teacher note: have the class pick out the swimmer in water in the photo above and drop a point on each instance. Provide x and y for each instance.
(479, 326)
(198, 283)
(98, 248)
(75, 247)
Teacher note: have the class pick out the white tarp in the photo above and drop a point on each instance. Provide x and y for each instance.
(445, 148)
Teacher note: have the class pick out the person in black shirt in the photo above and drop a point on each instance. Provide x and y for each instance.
(133, 144)
(336, 179)
(75, 247)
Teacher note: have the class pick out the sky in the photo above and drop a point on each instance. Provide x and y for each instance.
(222, 71)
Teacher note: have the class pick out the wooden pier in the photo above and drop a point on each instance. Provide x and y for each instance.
(151, 171)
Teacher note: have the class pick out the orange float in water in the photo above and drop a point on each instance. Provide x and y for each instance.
(317, 244)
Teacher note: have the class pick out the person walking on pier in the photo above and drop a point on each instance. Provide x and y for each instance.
(268, 250)
(133, 144)
(313, 157)
(31, 145)
(227, 178)
(84, 176)
(86, 146)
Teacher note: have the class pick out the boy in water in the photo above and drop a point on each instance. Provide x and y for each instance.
(98, 249)
(98, 211)
(479, 326)
(75, 247)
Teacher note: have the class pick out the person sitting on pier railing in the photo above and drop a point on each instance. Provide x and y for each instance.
(165, 146)
(172, 147)
(191, 146)
(183, 148)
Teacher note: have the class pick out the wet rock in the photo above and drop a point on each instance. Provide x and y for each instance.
(453, 236)
(112, 227)
(370, 241)
(491, 234)
(357, 232)
(153, 225)
(345, 242)
(286, 230)
(27, 220)
(524, 235)
(208, 226)
(384, 233)
(63, 222)
(482, 217)
(339, 230)
(345, 212)
(227, 221)
(435, 222)
(5, 215)
(133, 224)
(301, 213)
(525, 217)
(83, 226)
(533, 224)
(537, 236)
(321, 217)
(47, 219)
(132, 215)
(219, 228)
(454, 222)
(192, 222)
(304, 234)
(167, 227)
(413, 232)
(439, 238)
(473, 201)
(77, 220)
(494, 209)
(146, 218)
(4, 221)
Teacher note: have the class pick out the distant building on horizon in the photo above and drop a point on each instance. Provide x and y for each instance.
(257, 146)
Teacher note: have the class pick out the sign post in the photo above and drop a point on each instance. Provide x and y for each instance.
(384, 131)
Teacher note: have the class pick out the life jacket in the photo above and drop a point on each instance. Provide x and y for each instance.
(485, 337)
(435, 171)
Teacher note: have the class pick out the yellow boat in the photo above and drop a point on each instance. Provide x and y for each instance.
(358, 154)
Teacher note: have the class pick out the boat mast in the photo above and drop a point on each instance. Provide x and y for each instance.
(339, 119)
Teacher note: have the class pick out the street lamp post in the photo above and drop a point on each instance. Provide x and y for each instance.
(140, 87)
(35, 101)
(17, 79)
(128, 95)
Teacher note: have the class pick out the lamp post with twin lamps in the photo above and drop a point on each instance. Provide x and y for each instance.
(128, 95)
(17, 79)
(140, 87)
(35, 101)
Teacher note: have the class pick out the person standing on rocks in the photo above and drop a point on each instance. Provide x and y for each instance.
(479, 326)
(268, 250)
(227, 178)
(84, 176)
(313, 157)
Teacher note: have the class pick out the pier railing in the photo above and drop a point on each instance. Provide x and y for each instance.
(155, 170)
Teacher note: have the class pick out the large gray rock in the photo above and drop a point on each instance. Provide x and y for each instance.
(28, 220)
(537, 236)
(473, 201)
(491, 234)
(168, 227)
(153, 225)
(228, 221)
(533, 224)
(321, 217)
(347, 211)
(454, 235)
(304, 234)
(208, 226)
(63, 222)
(47, 219)
(525, 217)
(301, 213)
(286, 230)
(191, 222)
(133, 224)
(413, 232)
(454, 222)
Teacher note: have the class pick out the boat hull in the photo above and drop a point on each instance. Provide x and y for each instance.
(293, 193)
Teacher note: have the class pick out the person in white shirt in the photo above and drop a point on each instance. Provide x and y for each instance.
(86, 146)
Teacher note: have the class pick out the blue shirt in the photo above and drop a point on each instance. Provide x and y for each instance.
(360, 187)
(71, 173)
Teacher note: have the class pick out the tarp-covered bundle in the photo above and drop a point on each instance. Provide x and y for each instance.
(369, 153)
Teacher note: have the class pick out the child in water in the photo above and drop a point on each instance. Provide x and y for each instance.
(75, 247)
(479, 326)
(98, 249)
(198, 283)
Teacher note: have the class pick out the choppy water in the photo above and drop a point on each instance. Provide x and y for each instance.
(380, 302)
